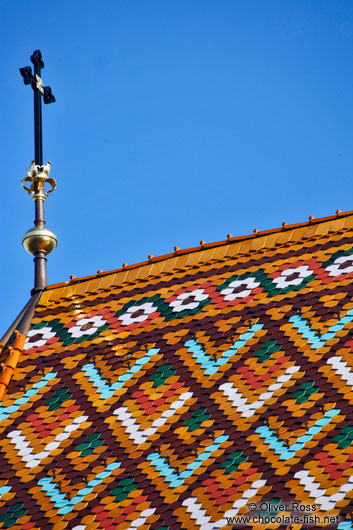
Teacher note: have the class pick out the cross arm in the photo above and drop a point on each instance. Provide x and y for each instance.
(37, 84)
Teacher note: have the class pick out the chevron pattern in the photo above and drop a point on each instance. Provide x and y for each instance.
(25, 450)
(177, 479)
(311, 335)
(289, 452)
(141, 436)
(211, 366)
(105, 390)
(173, 401)
(204, 521)
(245, 406)
(61, 501)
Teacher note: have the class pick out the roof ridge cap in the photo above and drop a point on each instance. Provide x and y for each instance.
(203, 246)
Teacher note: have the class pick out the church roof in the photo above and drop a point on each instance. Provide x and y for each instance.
(185, 391)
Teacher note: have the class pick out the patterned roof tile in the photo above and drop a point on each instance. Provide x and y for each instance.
(174, 393)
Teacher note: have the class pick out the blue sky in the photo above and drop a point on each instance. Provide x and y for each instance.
(175, 121)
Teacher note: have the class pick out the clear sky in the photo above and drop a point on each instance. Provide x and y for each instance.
(175, 121)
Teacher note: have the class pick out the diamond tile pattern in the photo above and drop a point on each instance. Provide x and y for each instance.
(173, 399)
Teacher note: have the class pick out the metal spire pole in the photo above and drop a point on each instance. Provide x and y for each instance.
(37, 61)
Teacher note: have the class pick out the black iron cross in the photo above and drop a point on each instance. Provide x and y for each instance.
(39, 90)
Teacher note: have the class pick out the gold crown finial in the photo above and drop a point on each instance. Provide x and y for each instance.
(39, 240)
(38, 176)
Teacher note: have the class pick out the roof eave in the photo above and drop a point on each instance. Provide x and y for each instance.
(14, 340)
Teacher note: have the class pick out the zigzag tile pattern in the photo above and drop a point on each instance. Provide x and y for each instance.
(172, 401)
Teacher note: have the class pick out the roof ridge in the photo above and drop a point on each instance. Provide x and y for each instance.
(203, 246)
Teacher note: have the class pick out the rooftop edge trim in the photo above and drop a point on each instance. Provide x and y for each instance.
(205, 246)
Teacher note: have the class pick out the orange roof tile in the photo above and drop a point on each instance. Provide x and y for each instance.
(173, 393)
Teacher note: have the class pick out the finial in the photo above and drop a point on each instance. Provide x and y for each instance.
(38, 176)
(39, 241)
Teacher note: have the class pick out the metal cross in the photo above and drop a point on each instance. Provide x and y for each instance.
(39, 90)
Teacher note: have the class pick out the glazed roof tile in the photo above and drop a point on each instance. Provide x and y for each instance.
(173, 393)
